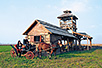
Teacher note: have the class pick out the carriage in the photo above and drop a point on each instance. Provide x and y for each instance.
(31, 51)
(26, 50)
(29, 54)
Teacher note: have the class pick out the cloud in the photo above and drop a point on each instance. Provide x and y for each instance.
(49, 6)
(73, 5)
(93, 26)
(76, 5)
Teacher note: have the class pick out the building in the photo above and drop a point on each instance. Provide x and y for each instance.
(41, 31)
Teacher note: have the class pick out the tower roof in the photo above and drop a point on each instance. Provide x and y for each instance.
(67, 16)
(67, 11)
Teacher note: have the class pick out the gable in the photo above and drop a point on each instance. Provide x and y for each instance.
(30, 28)
(38, 29)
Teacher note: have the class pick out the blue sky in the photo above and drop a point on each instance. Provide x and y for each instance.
(17, 15)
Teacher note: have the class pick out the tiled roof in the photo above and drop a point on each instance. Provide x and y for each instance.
(55, 29)
(52, 28)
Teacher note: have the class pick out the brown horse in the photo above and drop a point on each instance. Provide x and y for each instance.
(48, 48)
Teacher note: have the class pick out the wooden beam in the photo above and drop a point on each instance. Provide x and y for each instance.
(79, 42)
(90, 43)
(72, 23)
(40, 38)
(87, 44)
(60, 41)
(64, 42)
(67, 44)
(82, 35)
(60, 22)
(67, 40)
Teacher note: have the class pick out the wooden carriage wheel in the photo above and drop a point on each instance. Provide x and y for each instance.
(29, 55)
(13, 53)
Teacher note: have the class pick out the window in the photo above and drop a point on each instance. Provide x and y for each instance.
(37, 38)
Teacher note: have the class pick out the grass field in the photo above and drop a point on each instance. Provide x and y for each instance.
(74, 59)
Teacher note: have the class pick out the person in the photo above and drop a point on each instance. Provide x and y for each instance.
(26, 43)
(25, 40)
(19, 46)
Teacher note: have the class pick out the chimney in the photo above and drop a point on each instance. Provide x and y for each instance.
(67, 11)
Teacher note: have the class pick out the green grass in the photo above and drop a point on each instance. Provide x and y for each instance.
(74, 59)
(5, 48)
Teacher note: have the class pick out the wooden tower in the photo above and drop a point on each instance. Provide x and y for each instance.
(68, 22)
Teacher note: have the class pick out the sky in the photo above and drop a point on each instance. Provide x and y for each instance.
(17, 15)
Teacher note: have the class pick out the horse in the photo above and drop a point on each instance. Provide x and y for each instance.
(48, 48)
